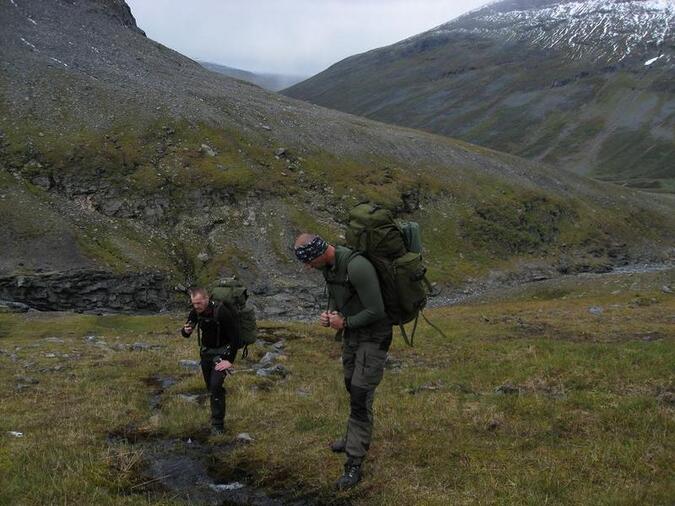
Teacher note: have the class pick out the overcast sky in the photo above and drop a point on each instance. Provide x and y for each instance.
(288, 36)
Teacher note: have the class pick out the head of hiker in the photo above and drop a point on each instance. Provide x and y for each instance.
(311, 250)
(199, 299)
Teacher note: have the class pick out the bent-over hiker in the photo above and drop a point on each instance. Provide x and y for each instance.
(218, 335)
(356, 310)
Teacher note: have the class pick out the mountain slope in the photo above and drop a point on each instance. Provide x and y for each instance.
(586, 85)
(141, 160)
(271, 82)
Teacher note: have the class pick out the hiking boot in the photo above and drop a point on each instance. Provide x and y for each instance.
(350, 478)
(338, 446)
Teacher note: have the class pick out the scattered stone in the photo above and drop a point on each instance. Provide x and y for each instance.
(244, 437)
(393, 364)
(596, 310)
(195, 398)
(91, 339)
(207, 150)
(190, 365)
(226, 487)
(507, 389)
(666, 289)
(277, 370)
(431, 386)
(203, 257)
(14, 433)
(268, 358)
(279, 152)
(55, 340)
(27, 380)
(50, 355)
(144, 347)
(266, 127)
(302, 392)
(279, 345)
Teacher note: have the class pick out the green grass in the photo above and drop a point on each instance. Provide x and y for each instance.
(590, 423)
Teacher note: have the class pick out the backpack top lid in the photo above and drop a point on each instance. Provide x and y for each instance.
(229, 291)
(372, 230)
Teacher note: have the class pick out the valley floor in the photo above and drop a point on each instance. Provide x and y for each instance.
(555, 393)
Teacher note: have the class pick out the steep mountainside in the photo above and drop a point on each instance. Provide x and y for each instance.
(119, 155)
(271, 82)
(587, 85)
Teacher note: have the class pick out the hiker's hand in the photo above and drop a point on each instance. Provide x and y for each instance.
(337, 321)
(223, 365)
(187, 328)
(324, 319)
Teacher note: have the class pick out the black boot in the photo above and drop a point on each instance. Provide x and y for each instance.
(350, 478)
(217, 413)
(338, 446)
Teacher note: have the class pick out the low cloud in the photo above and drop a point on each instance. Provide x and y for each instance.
(288, 36)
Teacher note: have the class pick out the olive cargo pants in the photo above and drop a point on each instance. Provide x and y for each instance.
(363, 358)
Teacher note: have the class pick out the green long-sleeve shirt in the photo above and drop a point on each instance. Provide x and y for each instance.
(354, 289)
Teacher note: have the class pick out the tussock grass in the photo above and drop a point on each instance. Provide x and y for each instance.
(533, 399)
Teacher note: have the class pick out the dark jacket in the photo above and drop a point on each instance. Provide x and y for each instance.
(216, 331)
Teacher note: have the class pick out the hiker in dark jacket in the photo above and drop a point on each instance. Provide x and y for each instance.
(356, 311)
(218, 336)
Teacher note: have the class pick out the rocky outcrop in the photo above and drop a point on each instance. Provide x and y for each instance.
(88, 290)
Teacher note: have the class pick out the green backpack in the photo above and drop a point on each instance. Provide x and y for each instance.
(234, 294)
(395, 252)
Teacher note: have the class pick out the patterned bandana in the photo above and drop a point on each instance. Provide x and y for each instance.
(313, 249)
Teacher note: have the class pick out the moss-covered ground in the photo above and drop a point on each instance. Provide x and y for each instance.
(557, 393)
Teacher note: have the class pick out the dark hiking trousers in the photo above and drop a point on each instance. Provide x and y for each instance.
(214, 384)
(363, 358)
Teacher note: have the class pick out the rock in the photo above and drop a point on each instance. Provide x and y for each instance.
(277, 370)
(268, 358)
(244, 437)
(203, 257)
(596, 310)
(666, 289)
(50, 355)
(190, 365)
(207, 150)
(27, 380)
(275, 310)
(14, 433)
(142, 346)
(280, 152)
(266, 127)
(302, 392)
(507, 389)
(8, 306)
(91, 339)
(195, 398)
(88, 290)
(226, 487)
(55, 340)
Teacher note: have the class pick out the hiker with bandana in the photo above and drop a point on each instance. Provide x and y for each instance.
(356, 310)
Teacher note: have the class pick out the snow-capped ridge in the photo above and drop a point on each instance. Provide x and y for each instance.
(602, 30)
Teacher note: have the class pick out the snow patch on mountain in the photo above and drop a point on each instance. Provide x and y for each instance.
(609, 30)
(649, 62)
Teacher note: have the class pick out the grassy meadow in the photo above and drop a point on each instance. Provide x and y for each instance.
(555, 393)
